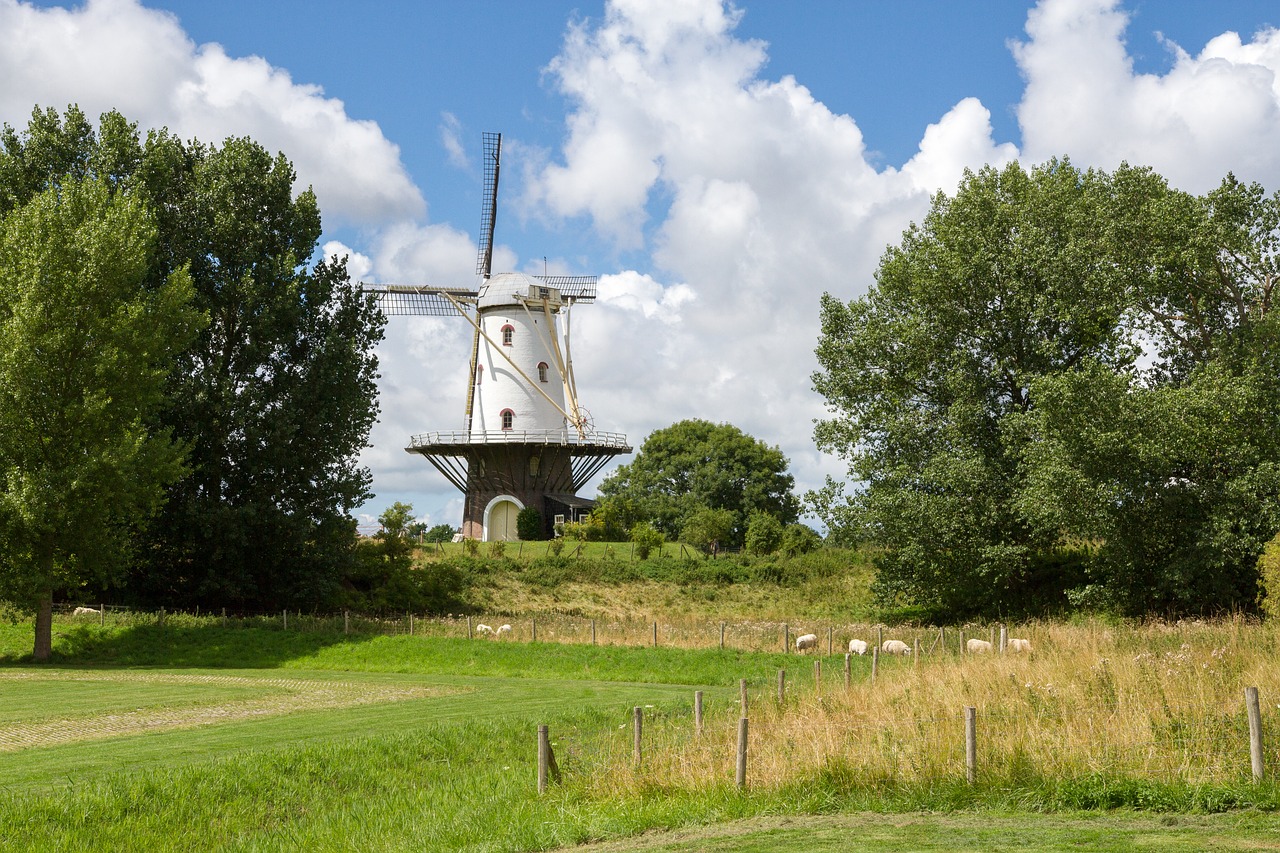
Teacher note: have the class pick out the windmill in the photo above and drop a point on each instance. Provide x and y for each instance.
(527, 441)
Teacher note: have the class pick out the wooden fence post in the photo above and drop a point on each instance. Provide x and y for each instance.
(655, 635)
(817, 676)
(638, 726)
(1004, 638)
(1255, 731)
(102, 615)
(879, 636)
(721, 636)
(546, 761)
(468, 627)
(224, 617)
(284, 619)
(848, 676)
(916, 654)
(410, 624)
(786, 638)
(875, 662)
(971, 744)
(346, 621)
(534, 624)
(697, 711)
(742, 752)
(593, 632)
(782, 686)
(742, 696)
(830, 635)
(962, 648)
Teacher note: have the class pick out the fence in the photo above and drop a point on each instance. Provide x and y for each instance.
(1204, 747)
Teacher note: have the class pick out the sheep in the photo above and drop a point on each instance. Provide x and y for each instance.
(1017, 645)
(977, 647)
(483, 629)
(502, 629)
(806, 641)
(857, 647)
(85, 611)
(895, 647)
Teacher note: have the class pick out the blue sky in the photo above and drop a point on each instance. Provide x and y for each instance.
(719, 166)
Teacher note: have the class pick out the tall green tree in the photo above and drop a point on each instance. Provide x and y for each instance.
(694, 465)
(275, 397)
(1008, 280)
(85, 348)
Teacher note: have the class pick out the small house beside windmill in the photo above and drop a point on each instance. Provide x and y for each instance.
(527, 442)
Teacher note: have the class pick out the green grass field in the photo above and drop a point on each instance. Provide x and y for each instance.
(191, 736)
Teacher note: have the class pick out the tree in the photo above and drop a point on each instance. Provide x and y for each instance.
(694, 465)
(84, 352)
(440, 533)
(708, 529)
(764, 533)
(646, 538)
(529, 524)
(275, 397)
(1007, 281)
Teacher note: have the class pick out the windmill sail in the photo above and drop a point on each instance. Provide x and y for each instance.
(489, 204)
(399, 300)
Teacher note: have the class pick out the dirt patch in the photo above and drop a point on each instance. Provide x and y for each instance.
(286, 696)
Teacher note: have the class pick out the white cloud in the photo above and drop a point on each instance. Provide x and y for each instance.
(116, 54)
(1214, 112)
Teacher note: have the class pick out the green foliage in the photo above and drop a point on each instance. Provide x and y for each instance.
(764, 533)
(799, 539)
(85, 348)
(529, 524)
(497, 548)
(1269, 578)
(440, 533)
(647, 538)
(471, 546)
(987, 397)
(708, 529)
(273, 398)
(695, 464)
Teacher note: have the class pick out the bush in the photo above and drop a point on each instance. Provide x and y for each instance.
(800, 539)
(529, 524)
(497, 548)
(439, 533)
(646, 539)
(471, 546)
(1269, 579)
(707, 529)
(764, 533)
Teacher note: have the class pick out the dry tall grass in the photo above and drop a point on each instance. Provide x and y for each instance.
(1154, 701)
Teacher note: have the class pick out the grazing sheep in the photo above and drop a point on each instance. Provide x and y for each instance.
(895, 647)
(85, 611)
(806, 641)
(502, 629)
(978, 647)
(857, 647)
(483, 629)
(1017, 645)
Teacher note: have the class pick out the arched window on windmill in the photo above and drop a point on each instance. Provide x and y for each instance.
(508, 332)
(542, 371)
(508, 418)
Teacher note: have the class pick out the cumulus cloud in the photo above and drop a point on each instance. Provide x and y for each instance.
(116, 54)
(1216, 111)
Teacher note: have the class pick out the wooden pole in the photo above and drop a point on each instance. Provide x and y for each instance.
(655, 635)
(593, 632)
(546, 760)
(346, 622)
(916, 654)
(817, 676)
(742, 696)
(879, 636)
(848, 676)
(637, 728)
(830, 636)
(742, 753)
(534, 624)
(697, 712)
(962, 648)
(102, 615)
(875, 662)
(224, 617)
(971, 744)
(284, 620)
(1255, 731)
(410, 624)
(782, 686)
(1004, 638)
(721, 636)
(468, 627)
(942, 638)
(786, 638)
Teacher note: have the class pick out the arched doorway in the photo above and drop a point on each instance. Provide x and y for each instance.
(500, 519)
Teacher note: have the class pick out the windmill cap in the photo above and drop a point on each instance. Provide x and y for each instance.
(504, 288)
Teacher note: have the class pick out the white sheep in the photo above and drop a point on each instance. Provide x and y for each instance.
(806, 641)
(895, 647)
(857, 647)
(1018, 645)
(85, 611)
(483, 629)
(977, 647)
(502, 629)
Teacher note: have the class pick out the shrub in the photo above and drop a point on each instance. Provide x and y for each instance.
(439, 533)
(764, 533)
(646, 539)
(497, 548)
(708, 528)
(799, 539)
(556, 546)
(1269, 578)
(471, 546)
(529, 524)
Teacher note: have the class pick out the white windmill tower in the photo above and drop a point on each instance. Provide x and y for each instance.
(527, 442)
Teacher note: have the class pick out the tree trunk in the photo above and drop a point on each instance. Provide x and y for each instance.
(44, 627)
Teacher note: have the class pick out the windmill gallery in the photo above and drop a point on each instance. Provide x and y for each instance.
(526, 440)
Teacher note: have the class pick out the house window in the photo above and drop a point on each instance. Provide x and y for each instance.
(508, 417)
(542, 371)
(508, 331)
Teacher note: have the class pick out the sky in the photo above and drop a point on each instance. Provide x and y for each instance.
(720, 166)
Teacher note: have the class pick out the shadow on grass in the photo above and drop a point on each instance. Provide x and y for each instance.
(210, 646)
